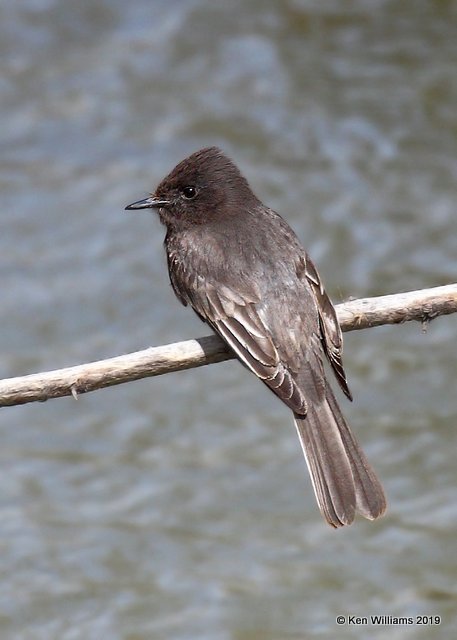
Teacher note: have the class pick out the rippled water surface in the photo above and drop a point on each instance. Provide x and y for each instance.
(179, 507)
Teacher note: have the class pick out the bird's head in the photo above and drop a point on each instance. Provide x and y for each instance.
(205, 187)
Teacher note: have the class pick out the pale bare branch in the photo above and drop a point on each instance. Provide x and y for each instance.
(423, 306)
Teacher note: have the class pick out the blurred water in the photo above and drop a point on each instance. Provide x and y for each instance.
(179, 507)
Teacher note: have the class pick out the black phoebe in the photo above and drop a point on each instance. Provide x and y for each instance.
(243, 270)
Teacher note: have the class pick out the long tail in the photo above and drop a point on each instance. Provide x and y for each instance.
(342, 478)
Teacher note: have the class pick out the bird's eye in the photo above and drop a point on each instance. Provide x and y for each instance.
(189, 192)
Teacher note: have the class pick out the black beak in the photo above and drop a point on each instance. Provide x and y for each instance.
(148, 203)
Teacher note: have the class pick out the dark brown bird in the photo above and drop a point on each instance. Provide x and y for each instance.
(243, 270)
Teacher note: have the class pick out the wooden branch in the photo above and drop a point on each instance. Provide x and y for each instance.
(423, 305)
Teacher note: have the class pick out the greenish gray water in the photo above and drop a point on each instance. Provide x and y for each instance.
(180, 507)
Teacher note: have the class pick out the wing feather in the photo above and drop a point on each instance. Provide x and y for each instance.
(252, 342)
(332, 338)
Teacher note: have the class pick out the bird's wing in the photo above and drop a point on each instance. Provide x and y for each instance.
(235, 317)
(332, 339)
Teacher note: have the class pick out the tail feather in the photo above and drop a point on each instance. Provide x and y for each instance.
(370, 498)
(343, 481)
